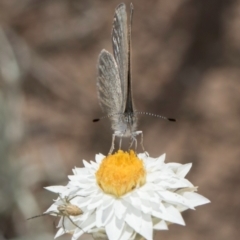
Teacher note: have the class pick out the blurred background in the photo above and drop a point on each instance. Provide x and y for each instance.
(186, 65)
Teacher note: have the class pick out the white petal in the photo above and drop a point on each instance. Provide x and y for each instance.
(182, 208)
(133, 218)
(146, 228)
(174, 198)
(91, 190)
(150, 190)
(59, 233)
(68, 225)
(161, 159)
(87, 164)
(81, 171)
(167, 214)
(128, 233)
(175, 215)
(150, 164)
(83, 202)
(82, 181)
(99, 157)
(146, 206)
(183, 170)
(86, 214)
(173, 166)
(99, 217)
(196, 199)
(88, 224)
(107, 215)
(152, 176)
(60, 223)
(120, 208)
(92, 171)
(161, 225)
(171, 182)
(56, 189)
(114, 228)
(77, 234)
(103, 215)
(143, 156)
(145, 193)
(165, 175)
(159, 211)
(155, 164)
(94, 165)
(135, 200)
(107, 200)
(52, 208)
(95, 202)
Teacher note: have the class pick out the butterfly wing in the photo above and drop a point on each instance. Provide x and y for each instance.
(109, 86)
(120, 48)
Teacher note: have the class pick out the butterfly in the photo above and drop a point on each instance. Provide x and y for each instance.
(114, 81)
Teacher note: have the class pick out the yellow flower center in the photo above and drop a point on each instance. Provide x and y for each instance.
(120, 173)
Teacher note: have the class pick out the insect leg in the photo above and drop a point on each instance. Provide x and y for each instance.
(131, 142)
(142, 141)
(135, 140)
(63, 226)
(44, 214)
(120, 142)
(74, 223)
(112, 146)
(74, 197)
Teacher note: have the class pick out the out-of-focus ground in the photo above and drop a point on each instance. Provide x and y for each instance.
(186, 64)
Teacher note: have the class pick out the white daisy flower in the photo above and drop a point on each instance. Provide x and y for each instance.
(124, 196)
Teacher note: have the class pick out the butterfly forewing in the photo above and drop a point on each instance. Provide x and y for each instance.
(120, 48)
(109, 86)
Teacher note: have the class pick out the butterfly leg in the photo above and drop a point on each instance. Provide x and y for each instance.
(120, 142)
(131, 142)
(142, 140)
(112, 146)
(135, 141)
(140, 132)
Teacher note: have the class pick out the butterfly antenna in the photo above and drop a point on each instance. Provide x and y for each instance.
(157, 116)
(106, 116)
(98, 119)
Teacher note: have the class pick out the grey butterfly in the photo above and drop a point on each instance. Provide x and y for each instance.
(114, 81)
